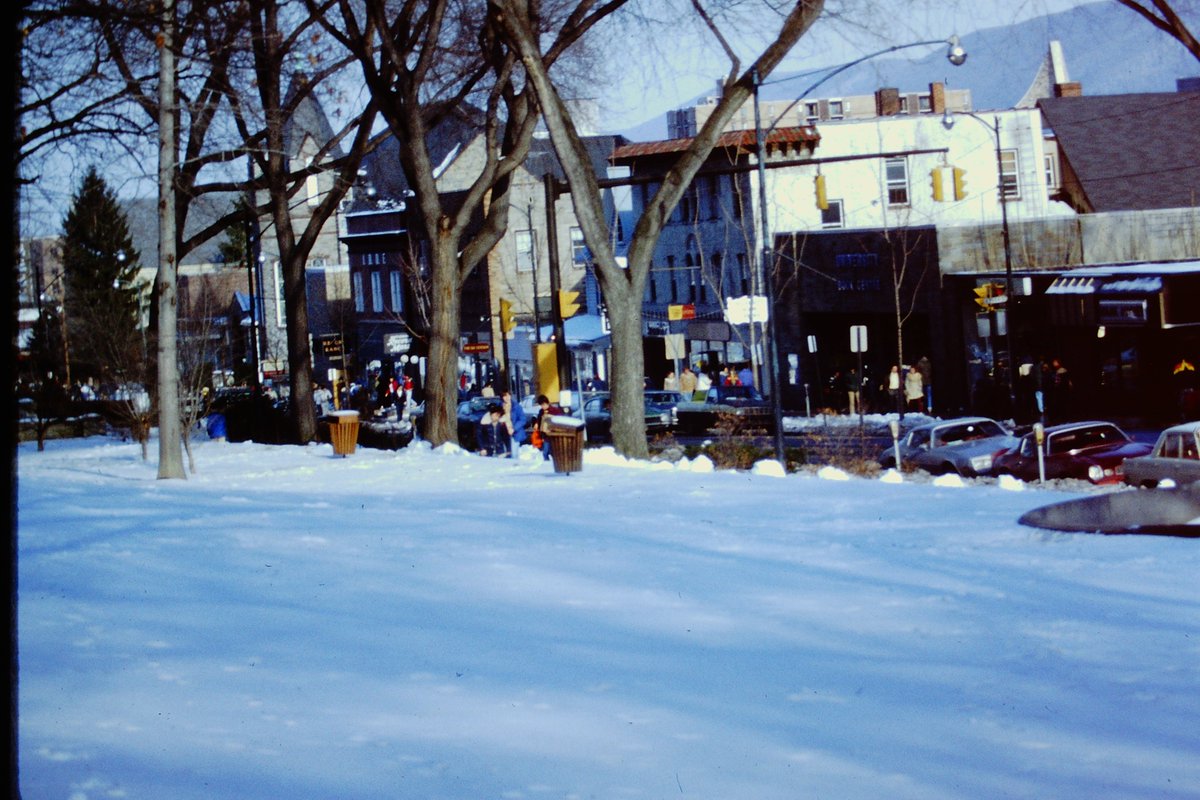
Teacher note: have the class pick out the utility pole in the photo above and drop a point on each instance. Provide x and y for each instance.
(560, 336)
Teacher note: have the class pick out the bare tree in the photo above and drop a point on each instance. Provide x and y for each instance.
(423, 61)
(1164, 16)
(623, 287)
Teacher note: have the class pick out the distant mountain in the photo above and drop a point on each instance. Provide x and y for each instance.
(1107, 48)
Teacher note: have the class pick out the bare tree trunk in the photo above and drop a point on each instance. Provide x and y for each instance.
(622, 286)
(441, 379)
(170, 452)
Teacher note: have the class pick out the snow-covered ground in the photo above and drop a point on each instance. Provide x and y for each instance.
(431, 624)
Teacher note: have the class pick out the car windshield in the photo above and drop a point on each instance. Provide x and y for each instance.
(476, 405)
(1178, 444)
(968, 431)
(727, 393)
(1082, 438)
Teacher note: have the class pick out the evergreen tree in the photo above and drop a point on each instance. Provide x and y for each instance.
(103, 297)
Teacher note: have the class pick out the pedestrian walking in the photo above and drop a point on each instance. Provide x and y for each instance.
(914, 390)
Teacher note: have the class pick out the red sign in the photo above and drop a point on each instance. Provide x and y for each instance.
(476, 347)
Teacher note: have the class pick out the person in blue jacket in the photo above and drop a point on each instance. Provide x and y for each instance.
(493, 433)
(514, 420)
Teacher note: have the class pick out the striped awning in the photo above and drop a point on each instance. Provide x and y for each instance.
(1073, 285)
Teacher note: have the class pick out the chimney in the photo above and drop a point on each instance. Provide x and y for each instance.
(937, 97)
(1068, 89)
(887, 102)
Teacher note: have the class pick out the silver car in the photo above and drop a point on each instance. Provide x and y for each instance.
(1176, 457)
(967, 446)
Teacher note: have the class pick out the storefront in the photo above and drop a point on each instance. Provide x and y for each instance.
(1120, 330)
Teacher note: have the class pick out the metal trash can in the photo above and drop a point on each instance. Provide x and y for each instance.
(566, 446)
(343, 432)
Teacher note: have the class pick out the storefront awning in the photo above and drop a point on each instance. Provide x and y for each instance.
(1141, 284)
(1072, 285)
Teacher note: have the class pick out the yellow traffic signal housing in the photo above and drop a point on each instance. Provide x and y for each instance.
(935, 182)
(982, 295)
(822, 197)
(506, 317)
(960, 183)
(568, 303)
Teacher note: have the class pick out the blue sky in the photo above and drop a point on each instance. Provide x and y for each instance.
(667, 74)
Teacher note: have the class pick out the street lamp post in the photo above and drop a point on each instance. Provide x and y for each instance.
(956, 55)
(1002, 196)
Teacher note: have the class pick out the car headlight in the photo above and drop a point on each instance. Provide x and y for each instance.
(981, 463)
(1095, 472)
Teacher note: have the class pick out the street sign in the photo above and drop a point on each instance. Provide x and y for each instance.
(476, 347)
(741, 310)
(681, 311)
(858, 338)
(394, 343)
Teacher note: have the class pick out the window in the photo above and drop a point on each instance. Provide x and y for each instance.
(357, 289)
(837, 109)
(671, 276)
(525, 255)
(743, 273)
(396, 284)
(812, 111)
(897, 181)
(923, 104)
(712, 189)
(1051, 171)
(579, 249)
(831, 217)
(377, 292)
(280, 303)
(1009, 170)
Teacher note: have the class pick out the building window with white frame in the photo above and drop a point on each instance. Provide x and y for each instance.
(1051, 171)
(525, 256)
(1010, 174)
(831, 217)
(896, 170)
(356, 285)
(837, 109)
(377, 292)
(579, 248)
(396, 284)
(812, 112)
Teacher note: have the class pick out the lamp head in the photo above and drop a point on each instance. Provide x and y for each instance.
(956, 53)
(947, 119)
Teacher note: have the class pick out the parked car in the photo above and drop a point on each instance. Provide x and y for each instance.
(743, 403)
(1176, 457)
(966, 445)
(667, 400)
(1093, 451)
(597, 417)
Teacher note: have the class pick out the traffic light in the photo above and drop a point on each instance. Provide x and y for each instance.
(822, 198)
(506, 317)
(960, 183)
(935, 182)
(982, 295)
(568, 303)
